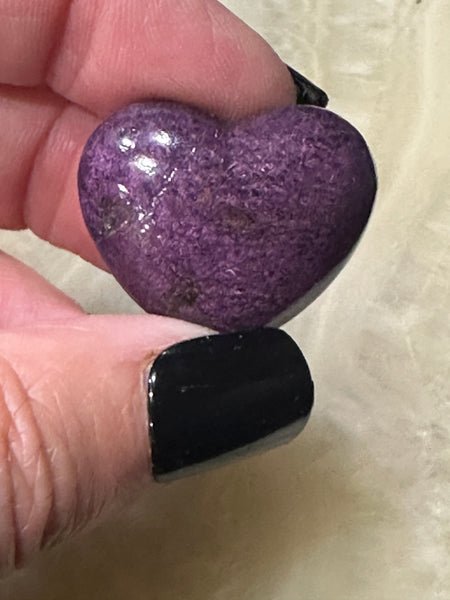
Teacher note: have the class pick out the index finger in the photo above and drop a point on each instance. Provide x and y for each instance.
(102, 54)
(99, 55)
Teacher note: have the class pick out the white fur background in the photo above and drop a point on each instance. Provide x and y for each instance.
(358, 507)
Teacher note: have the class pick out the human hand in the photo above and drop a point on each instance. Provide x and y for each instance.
(73, 418)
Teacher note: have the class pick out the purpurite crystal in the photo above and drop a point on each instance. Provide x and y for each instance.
(227, 225)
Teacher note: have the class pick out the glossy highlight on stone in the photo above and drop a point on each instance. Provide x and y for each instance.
(230, 225)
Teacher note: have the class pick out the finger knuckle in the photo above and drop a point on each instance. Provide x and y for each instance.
(26, 482)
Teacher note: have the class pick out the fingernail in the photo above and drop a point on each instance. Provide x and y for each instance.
(307, 92)
(222, 396)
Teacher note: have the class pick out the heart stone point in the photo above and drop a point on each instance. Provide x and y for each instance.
(229, 225)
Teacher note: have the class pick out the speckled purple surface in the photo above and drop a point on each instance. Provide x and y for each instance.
(227, 226)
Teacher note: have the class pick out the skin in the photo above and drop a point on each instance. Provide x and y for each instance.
(73, 421)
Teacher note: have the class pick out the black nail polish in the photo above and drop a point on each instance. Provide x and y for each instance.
(225, 395)
(307, 92)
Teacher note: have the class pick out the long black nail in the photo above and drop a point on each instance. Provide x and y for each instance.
(220, 396)
(307, 92)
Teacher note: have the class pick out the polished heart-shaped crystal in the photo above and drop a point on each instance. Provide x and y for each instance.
(230, 225)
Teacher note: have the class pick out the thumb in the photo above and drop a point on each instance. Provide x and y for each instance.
(73, 421)
(82, 395)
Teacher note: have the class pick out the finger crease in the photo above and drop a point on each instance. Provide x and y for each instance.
(57, 43)
(23, 436)
(38, 150)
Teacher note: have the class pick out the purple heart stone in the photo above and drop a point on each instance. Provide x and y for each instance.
(230, 225)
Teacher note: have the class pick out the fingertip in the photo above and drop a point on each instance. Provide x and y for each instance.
(196, 52)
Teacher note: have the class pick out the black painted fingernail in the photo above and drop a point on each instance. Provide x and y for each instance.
(307, 92)
(226, 395)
